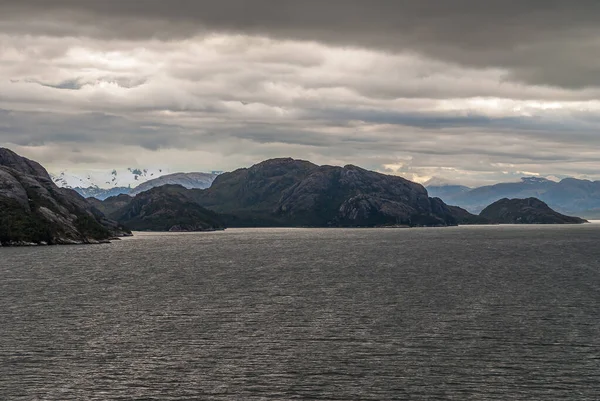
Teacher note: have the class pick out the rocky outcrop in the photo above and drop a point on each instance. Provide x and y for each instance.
(525, 211)
(33, 210)
(298, 193)
(166, 208)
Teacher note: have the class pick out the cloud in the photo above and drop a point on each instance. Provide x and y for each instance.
(421, 89)
(543, 42)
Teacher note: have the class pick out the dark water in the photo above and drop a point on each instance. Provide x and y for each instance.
(473, 313)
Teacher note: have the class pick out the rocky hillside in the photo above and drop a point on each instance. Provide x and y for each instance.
(299, 193)
(33, 210)
(525, 211)
(165, 208)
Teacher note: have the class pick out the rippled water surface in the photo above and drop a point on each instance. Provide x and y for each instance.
(467, 313)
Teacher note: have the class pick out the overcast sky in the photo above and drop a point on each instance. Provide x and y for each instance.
(468, 90)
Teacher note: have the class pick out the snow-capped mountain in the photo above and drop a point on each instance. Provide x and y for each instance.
(131, 181)
(130, 177)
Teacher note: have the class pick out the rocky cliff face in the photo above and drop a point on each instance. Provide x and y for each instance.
(299, 193)
(166, 208)
(34, 210)
(525, 211)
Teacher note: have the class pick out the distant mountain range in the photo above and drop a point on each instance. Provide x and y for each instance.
(100, 193)
(107, 179)
(143, 182)
(525, 211)
(570, 196)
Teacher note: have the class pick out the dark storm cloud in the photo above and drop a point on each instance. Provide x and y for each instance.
(551, 42)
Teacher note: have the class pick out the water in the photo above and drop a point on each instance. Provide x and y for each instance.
(466, 313)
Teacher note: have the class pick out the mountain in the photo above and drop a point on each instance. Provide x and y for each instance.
(186, 180)
(165, 208)
(525, 211)
(288, 192)
(460, 215)
(101, 193)
(33, 210)
(570, 195)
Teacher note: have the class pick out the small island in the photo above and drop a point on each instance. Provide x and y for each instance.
(525, 211)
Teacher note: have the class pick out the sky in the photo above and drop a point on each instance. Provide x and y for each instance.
(467, 91)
